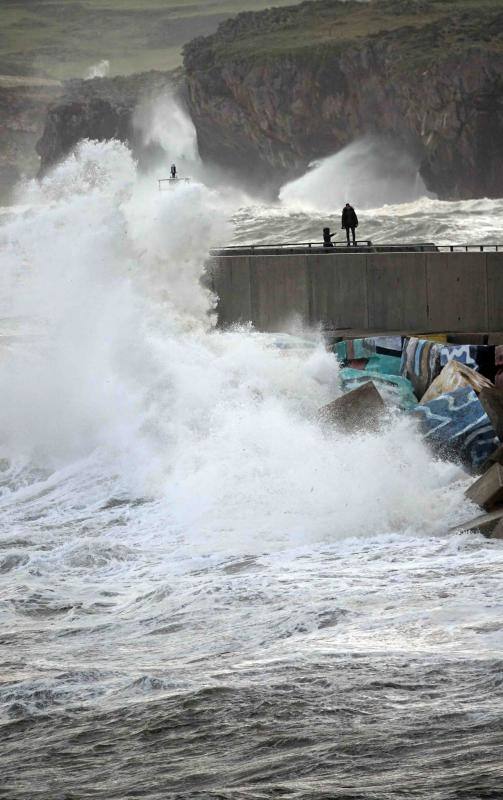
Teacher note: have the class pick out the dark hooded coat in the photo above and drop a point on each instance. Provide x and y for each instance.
(349, 218)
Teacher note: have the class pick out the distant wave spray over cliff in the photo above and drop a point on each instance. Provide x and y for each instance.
(162, 121)
(377, 175)
(369, 173)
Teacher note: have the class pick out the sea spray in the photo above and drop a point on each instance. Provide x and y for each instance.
(90, 265)
(101, 69)
(161, 120)
(368, 173)
(127, 364)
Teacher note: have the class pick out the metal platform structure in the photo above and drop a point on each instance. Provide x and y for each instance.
(171, 183)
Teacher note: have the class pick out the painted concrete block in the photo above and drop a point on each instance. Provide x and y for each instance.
(456, 426)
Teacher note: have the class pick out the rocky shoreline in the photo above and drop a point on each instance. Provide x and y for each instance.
(24, 103)
(43, 120)
(100, 109)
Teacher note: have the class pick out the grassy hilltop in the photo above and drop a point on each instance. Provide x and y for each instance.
(62, 38)
(280, 88)
(331, 26)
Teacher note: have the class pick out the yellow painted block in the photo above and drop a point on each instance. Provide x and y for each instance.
(440, 338)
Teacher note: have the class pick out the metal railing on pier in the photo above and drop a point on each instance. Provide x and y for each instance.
(285, 245)
(471, 248)
(299, 248)
(365, 245)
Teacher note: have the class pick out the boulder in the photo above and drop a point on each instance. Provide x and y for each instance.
(102, 109)
(360, 409)
(487, 491)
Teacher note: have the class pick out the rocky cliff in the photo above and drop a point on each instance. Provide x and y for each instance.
(100, 109)
(23, 108)
(271, 91)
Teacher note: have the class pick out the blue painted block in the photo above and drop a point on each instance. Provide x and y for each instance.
(456, 426)
(397, 391)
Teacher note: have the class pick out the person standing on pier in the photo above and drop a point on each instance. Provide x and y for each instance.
(349, 222)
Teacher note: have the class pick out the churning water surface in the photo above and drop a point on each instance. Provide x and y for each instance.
(203, 593)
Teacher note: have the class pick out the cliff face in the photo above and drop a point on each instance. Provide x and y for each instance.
(270, 92)
(100, 109)
(23, 108)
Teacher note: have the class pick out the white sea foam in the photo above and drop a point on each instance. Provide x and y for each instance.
(126, 363)
(98, 70)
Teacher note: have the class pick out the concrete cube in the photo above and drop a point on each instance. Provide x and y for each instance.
(487, 491)
(360, 409)
(492, 403)
(485, 523)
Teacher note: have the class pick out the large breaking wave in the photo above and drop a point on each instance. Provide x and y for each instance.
(202, 589)
(116, 353)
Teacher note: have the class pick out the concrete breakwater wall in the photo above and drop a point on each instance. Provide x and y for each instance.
(396, 291)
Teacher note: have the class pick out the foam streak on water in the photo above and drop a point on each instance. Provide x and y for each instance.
(203, 594)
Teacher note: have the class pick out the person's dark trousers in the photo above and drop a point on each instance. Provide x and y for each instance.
(353, 235)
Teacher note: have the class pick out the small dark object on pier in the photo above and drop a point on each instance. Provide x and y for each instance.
(327, 237)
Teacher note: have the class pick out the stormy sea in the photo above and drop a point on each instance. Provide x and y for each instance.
(203, 593)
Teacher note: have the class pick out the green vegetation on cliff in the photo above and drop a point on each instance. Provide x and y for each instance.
(279, 89)
(63, 38)
(425, 29)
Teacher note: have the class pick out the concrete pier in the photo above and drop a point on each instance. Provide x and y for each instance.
(404, 291)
